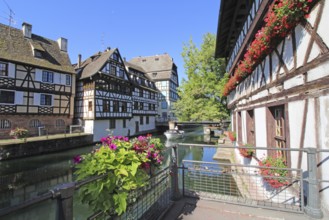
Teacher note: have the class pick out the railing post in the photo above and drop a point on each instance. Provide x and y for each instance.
(64, 195)
(313, 198)
(175, 194)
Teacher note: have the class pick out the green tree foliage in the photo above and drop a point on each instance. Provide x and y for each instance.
(201, 95)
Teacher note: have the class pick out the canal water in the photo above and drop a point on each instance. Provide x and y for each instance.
(25, 178)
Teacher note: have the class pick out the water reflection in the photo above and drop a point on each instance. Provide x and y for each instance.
(25, 178)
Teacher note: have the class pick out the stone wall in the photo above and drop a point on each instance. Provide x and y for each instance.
(13, 151)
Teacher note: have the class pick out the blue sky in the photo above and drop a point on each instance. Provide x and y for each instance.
(136, 27)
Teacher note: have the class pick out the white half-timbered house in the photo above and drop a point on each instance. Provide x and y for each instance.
(37, 82)
(145, 99)
(104, 95)
(284, 102)
(163, 71)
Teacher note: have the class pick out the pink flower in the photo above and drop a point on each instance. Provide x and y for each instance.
(113, 146)
(77, 159)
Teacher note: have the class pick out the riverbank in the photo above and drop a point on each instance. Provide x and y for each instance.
(18, 148)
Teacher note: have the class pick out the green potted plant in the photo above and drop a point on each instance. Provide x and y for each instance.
(273, 170)
(126, 165)
(247, 152)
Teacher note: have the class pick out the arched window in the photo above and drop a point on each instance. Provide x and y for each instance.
(34, 123)
(5, 124)
(60, 123)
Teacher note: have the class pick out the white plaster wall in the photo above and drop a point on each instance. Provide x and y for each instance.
(312, 15)
(288, 56)
(99, 129)
(323, 25)
(295, 111)
(38, 75)
(295, 81)
(244, 126)
(11, 70)
(324, 144)
(89, 126)
(36, 98)
(310, 126)
(318, 72)
(260, 127)
(302, 40)
(19, 97)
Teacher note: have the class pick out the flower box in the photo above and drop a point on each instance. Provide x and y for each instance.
(274, 172)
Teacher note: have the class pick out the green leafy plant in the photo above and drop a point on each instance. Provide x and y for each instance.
(19, 133)
(273, 170)
(125, 165)
(247, 152)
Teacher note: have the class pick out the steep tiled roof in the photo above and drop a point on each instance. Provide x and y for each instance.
(162, 65)
(14, 47)
(93, 64)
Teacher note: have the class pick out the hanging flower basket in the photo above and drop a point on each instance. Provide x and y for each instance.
(273, 171)
(281, 18)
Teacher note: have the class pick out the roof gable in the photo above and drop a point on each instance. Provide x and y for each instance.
(14, 47)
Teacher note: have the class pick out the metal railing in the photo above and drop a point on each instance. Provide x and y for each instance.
(147, 202)
(240, 184)
(303, 184)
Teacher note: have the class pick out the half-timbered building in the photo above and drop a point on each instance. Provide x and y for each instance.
(145, 99)
(163, 71)
(37, 82)
(103, 94)
(282, 101)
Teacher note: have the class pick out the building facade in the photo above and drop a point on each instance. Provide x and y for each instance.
(106, 93)
(283, 101)
(163, 71)
(37, 82)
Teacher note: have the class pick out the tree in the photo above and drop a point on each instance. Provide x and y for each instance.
(200, 95)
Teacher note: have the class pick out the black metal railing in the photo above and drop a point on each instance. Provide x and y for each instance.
(146, 202)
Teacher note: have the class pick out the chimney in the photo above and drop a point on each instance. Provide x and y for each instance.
(79, 61)
(62, 43)
(27, 30)
(124, 58)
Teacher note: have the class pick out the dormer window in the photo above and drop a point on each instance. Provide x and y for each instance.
(38, 53)
(3, 69)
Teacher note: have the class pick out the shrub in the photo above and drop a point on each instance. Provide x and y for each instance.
(19, 133)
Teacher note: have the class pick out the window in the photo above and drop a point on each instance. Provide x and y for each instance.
(112, 123)
(47, 76)
(45, 99)
(164, 105)
(135, 105)
(123, 106)
(141, 106)
(154, 74)
(147, 120)
(68, 80)
(113, 70)
(34, 123)
(3, 69)
(141, 120)
(5, 124)
(276, 129)
(115, 57)
(250, 127)
(90, 106)
(120, 73)
(38, 53)
(115, 106)
(106, 105)
(7, 97)
(124, 125)
(60, 123)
